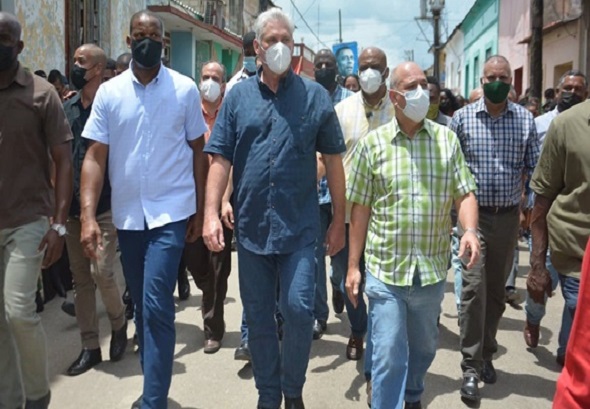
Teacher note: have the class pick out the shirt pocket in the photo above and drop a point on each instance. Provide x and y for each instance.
(304, 135)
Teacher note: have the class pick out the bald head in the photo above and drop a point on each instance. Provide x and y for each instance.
(324, 55)
(406, 76)
(373, 54)
(9, 27)
(497, 68)
(476, 94)
(94, 54)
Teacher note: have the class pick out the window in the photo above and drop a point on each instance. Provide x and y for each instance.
(488, 52)
(467, 87)
(476, 72)
(83, 21)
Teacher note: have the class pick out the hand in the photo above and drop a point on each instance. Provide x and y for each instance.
(53, 246)
(335, 238)
(523, 220)
(194, 229)
(91, 238)
(227, 214)
(69, 94)
(470, 241)
(353, 283)
(538, 284)
(213, 234)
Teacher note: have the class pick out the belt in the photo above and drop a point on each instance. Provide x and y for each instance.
(497, 209)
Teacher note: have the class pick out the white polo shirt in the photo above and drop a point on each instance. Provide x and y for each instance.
(150, 162)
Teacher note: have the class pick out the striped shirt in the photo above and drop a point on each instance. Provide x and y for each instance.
(497, 150)
(357, 119)
(339, 94)
(410, 185)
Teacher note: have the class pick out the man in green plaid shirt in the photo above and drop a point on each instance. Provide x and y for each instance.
(405, 177)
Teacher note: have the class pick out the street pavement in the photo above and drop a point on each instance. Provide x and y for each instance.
(526, 378)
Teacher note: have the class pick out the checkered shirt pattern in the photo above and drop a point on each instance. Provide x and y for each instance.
(410, 185)
(497, 150)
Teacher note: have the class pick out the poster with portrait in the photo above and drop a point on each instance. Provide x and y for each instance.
(346, 58)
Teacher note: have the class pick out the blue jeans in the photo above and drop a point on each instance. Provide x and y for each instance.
(570, 287)
(404, 335)
(150, 260)
(320, 309)
(278, 372)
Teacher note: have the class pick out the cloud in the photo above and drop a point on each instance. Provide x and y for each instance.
(387, 24)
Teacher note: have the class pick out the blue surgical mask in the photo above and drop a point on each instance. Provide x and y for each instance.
(250, 64)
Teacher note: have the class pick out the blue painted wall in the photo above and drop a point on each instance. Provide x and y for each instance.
(181, 52)
(480, 28)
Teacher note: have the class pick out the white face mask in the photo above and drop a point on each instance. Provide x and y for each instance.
(278, 57)
(417, 104)
(210, 90)
(370, 80)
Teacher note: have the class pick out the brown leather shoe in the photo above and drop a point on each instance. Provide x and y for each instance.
(211, 346)
(531, 335)
(354, 349)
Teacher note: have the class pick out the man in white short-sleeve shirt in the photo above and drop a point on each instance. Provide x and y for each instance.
(147, 122)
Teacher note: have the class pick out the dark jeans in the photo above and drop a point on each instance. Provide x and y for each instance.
(483, 293)
(321, 309)
(570, 287)
(278, 369)
(210, 272)
(150, 260)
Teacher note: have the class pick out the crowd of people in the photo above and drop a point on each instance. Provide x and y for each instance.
(392, 177)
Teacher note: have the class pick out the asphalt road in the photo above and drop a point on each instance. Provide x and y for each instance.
(526, 379)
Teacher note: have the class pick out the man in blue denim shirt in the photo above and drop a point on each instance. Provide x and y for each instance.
(269, 128)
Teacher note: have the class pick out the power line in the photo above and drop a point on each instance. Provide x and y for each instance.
(308, 27)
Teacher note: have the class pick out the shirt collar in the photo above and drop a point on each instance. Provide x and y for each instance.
(427, 128)
(480, 106)
(380, 105)
(156, 79)
(22, 77)
(214, 116)
(283, 83)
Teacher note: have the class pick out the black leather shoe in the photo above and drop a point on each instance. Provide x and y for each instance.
(294, 403)
(87, 359)
(137, 403)
(69, 308)
(242, 352)
(129, 308)
(41, 403)
(184, 287)
(488, 373)
(118, 343)
(318, 329)
(413, 405)
(337, 301)
(470, 389)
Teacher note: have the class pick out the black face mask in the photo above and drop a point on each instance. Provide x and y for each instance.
(77, 77)
(6, 57)
(568, 99)
(326, 77)
(146, 52)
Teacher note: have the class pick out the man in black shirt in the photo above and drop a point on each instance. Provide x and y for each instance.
(87, 75)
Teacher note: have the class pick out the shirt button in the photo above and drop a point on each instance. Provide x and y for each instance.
(272, 184)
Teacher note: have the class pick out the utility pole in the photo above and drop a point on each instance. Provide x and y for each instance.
(340, 25)
(536, 75)
(436, 7)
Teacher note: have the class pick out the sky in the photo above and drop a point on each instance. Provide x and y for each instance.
(387, 24)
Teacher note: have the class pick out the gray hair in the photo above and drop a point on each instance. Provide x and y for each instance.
(573, 73)
(269, 15)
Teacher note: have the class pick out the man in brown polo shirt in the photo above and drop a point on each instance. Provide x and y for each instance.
(33, 132)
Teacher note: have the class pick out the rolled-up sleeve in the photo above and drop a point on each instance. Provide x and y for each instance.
(330, 139)
(97, 126)
(548, 177)
(359, 186)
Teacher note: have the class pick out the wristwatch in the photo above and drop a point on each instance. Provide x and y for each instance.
(59, 228)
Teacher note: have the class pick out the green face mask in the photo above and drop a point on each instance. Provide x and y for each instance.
(433, 111)
(496, 91)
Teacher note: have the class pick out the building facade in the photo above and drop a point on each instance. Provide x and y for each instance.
(480, 30)
(452, 53)
(513, 26)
